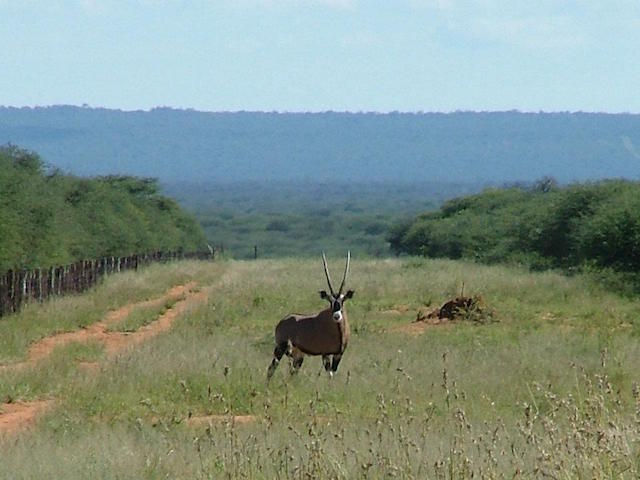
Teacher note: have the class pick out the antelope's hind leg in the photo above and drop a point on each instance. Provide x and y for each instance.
(278, 352)
(297, 357)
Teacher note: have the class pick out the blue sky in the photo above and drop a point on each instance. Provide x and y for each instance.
(316, 55)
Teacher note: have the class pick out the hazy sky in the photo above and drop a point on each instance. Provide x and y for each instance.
(316, 55)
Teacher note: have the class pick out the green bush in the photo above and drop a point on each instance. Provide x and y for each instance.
(610, 237)
(545, 226)
(50, 218)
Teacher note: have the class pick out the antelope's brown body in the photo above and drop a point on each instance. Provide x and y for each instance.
(314, 335)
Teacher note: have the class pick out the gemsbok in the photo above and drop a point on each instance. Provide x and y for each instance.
(325, 333)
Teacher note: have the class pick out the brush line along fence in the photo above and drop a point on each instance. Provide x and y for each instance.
(18, 287)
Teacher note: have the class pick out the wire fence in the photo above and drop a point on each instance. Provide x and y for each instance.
(18, 287)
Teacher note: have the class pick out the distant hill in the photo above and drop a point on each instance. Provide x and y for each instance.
(185, 145)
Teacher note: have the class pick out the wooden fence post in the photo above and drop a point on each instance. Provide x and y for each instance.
(39, 284)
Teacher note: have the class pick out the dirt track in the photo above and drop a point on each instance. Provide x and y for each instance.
(208, 420)
(18, 415)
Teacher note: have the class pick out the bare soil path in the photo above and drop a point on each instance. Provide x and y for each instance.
(210, 420)
(18, 415)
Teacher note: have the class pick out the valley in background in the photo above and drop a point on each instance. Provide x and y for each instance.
(303, 218)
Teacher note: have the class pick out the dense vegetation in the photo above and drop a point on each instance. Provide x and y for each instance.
(222, 147)
(303, 218)
(47, 218)
(577, 226)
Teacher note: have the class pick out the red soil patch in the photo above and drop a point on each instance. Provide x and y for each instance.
(396, 310)
(418, 327)
(17, 416)
(14, 416)
(92, 367)
(209, 420)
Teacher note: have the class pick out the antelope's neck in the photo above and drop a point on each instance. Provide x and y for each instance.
(344, 330)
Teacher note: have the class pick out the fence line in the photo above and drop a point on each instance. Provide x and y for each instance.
(18, 287)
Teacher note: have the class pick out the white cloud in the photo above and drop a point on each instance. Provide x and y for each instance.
(333, 4)
(359, 39)
(93, 7)
(519, 23)
(529, 32)
(432, 4)
(336, 3)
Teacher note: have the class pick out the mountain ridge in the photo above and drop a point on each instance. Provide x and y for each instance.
(221, 147)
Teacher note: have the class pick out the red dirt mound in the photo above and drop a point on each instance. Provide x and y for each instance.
(470, 308)
(460, 308)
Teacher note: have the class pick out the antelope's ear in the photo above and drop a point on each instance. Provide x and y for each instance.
(349, 294)
(323, 294)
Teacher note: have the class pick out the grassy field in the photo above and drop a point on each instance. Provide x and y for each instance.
(547, 390)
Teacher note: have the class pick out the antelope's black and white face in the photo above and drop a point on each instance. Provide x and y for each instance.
(336, 299)
(337, 303)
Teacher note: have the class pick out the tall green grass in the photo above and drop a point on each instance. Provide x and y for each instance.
(548, 390)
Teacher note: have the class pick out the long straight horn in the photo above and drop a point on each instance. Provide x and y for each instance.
(326, 272)
(346, 271)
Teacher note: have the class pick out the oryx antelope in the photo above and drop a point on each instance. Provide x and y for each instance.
(325, 333)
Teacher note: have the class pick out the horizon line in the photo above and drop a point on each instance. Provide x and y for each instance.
(86, 106)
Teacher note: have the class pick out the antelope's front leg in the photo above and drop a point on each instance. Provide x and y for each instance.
(334, 364)
(326, 361)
